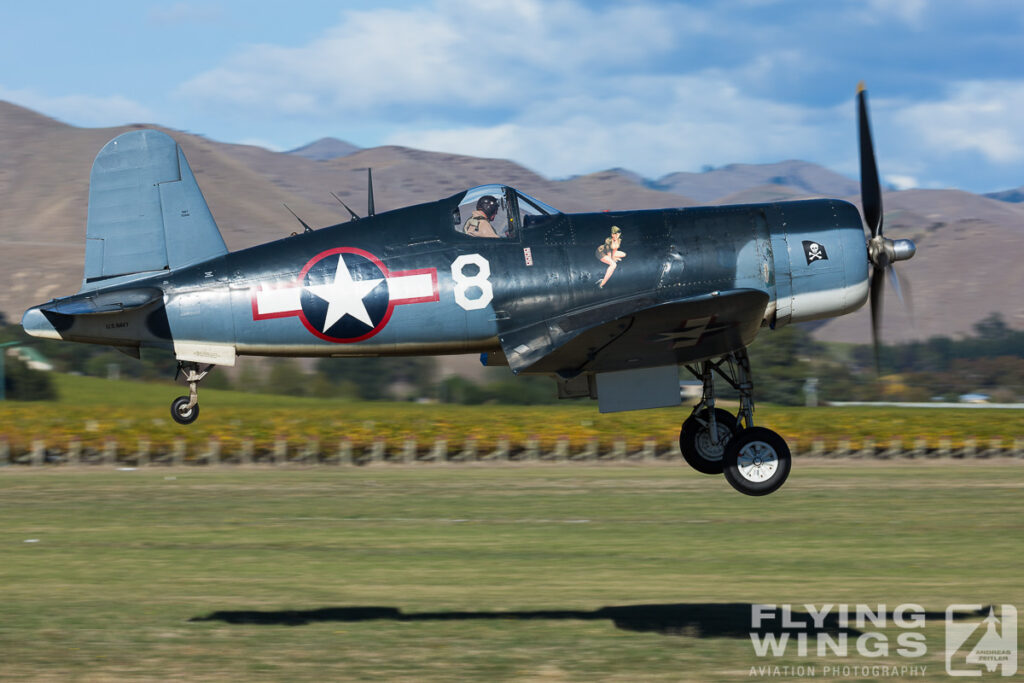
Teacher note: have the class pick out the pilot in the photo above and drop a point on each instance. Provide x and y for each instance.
(479, 224)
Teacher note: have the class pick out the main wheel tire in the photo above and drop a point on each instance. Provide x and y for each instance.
(757, 461)
(181, 413)
(695, 440)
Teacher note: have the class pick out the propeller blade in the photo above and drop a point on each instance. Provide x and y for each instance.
(894, 281)
(870, 187)
(877, 286)
(900, 283)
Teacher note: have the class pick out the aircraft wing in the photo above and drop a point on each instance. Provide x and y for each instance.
(638, 332)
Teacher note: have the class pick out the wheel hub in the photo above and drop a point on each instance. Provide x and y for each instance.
(757, 461)
(709, 449)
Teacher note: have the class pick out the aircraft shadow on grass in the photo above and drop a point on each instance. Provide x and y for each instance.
(701, 620)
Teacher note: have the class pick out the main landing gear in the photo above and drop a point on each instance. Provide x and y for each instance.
(755, 460)
(185, 409)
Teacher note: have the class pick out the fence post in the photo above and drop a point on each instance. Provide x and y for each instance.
(213, 453)
(501, 452)
(37, 456)
(618, 450)
(970, 449)
(74, 452)
(5, 452)
(377, 451)
(842, 449)
(245, 451)
(142, 454)
(945, 448)
(531, 449)
(561, 451)
(109, 456)
(649, 452)
(280, 452)
(439, 453)
(408, 452)
(178, 453)
(591, 451)
(468, 452)
(344, 452)
(867, 447)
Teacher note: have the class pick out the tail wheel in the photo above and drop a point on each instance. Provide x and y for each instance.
(700, 451)
(181, 413)
(757, 461)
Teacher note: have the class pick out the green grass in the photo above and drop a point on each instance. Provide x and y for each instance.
(427, 573)
(94, 410)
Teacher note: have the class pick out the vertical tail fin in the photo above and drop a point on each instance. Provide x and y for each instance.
(146, 212)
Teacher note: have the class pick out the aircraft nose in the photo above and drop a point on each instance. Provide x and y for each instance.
(36, 324)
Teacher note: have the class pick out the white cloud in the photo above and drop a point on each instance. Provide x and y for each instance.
(654, 126)
(455, 53)
(975, 116)
(373, 59)
(83, 110)
(568, 87)
(910, 12)
(565, 88)
(902, 182)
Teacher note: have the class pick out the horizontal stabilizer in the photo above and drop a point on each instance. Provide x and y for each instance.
(116, 301)
(146, 212)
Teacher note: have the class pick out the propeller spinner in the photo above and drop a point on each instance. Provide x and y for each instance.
(882, 251)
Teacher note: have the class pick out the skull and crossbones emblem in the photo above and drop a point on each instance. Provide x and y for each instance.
(814, 252)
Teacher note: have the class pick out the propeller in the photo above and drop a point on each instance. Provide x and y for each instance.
(882, 251)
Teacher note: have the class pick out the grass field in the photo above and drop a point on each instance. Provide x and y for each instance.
(505, 572)
(93, 410)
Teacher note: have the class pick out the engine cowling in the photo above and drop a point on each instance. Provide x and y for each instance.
(821, 260)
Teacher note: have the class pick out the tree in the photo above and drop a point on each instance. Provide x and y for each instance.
(380, 378)
(22, 383)
(286, 377)
(780, 365)
(992, 327)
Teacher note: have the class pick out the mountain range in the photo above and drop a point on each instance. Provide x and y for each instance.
(970, 259)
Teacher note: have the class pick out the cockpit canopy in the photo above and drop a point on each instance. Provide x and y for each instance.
(497, 212)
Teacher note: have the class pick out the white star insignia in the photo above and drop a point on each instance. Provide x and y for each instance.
(345, 296)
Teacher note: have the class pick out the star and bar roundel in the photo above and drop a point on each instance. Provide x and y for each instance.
(345, 295)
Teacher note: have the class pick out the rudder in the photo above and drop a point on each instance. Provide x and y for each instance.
(146, 211)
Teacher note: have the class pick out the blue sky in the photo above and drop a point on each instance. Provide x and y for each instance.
(563, 87)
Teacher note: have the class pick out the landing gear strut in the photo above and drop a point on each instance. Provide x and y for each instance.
(755, 460)
(185, 409)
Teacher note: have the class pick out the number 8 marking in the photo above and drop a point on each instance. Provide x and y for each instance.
(464, 282)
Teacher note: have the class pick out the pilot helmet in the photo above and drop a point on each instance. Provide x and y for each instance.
(489, 205)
